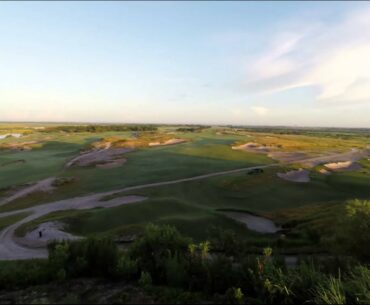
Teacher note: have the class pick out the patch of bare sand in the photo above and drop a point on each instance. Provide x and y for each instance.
(254, 147)
(324, 171)
(300, 175)
(353, 155)
(45, 185)
(343, 166)
(253, 222)
(168, 142)
(45, 233)
(99, 157)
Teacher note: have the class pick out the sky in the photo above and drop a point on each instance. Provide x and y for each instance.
(242, 63)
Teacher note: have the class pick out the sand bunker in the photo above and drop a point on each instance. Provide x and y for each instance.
(254, 147)
(343, 166)
(50, 231)
(106, 156)
(300, 175)
(254, 223)
(14, 135)
(45, 185)
(324, 171)
(168, 142)
(353, 155)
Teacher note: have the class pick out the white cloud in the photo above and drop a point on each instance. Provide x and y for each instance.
(335, 58)
(261, 111)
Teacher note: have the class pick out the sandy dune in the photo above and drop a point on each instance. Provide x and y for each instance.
(343, 166)
(45, 185)
(300, 175)
(168, 142)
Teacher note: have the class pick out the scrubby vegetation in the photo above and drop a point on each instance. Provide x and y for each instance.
(162, 263)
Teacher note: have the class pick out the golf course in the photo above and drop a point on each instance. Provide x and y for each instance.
(197, 179)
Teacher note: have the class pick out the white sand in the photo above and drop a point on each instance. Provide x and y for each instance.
(14, 135)
(254, 147)
(300, 175)
(168, 142)
(343, 166)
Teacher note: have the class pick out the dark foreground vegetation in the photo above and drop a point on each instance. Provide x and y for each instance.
(162, 266)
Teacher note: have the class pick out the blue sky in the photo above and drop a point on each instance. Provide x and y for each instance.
(270, 63)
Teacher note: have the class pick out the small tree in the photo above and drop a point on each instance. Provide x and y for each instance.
(352, 232)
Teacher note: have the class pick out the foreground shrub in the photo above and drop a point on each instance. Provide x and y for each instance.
(19, 274)
(357, 285)
(127, 268)
(330, 291)
(156, 247)
(88, 257)
(351, 235)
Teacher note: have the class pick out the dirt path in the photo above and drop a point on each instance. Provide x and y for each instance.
(10, 249)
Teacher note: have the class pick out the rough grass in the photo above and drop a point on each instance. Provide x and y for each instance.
(9, 220)
(308, 143)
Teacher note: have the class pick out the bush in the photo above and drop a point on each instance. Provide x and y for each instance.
(219, 275)
(330, 291)
(88, 257)
(234, 296)
(155, 247)
(18, 274)
(357, 285)
(145, 280)
(127, 268)
(176, 271)
(351, 234)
